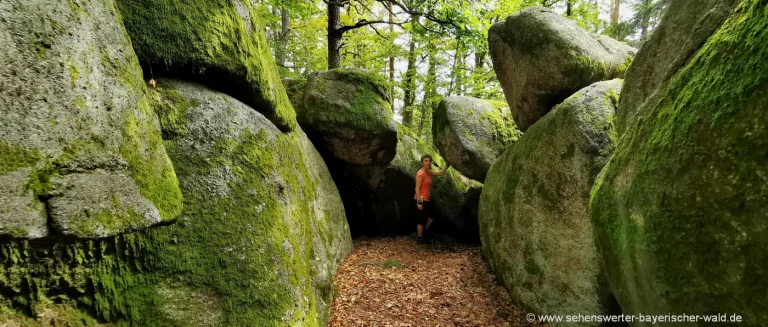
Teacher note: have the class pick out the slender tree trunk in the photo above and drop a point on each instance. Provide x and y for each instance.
(479, 66)
(615, 17)
(409, 85)
(430, 91)
(285, 28)
(391, 58)
(334, 35)
(568, 7)
(453, 72)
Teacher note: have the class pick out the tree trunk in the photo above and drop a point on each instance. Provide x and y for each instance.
(615, 17)
(479, 66)
(285, 29)
(334, 35)
(391, 59)
(455, 61)
(568, 7)
(409, 85)
(430, 91)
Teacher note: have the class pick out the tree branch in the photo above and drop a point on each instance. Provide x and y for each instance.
(364, 23)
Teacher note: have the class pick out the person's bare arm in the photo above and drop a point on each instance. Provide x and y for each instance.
(440, 173)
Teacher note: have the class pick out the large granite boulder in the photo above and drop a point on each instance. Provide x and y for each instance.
(541, 58)
(216, 42)
(679, 212)
(346, 112)
(471, 133)
(258, 241)
(80, 147)
(682, 32)
(534, 226)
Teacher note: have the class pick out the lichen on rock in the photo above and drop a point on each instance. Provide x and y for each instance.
(216, 42)
(347, 112)
(679, 210)
(75, 109)
(541, 58)
(257, 243)
(471, 133)
(534, 226)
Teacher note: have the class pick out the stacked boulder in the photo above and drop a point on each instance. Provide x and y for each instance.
(94, 227)
(80, 147)
(541, 58)
(533, 213)
(471, 133)
(679, 210)
(534, 225)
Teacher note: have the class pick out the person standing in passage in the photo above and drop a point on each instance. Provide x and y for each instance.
(423, 203)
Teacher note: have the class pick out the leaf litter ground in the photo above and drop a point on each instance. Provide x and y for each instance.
(398, 282)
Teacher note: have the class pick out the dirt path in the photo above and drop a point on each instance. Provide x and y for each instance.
(397, 282)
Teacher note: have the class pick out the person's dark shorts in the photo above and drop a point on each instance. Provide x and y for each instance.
(425, 212)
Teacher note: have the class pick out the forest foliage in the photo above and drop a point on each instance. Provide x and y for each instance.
(427, 49)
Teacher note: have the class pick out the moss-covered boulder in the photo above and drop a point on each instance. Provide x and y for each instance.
(534, 226)
(80, 146)
(680, 211)
(379, 199)
(541, 58)
(471, 133)
(217, 42)
(684, 29)
(346, 112)
(259, 239)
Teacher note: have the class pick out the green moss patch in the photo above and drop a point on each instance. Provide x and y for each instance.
(209, 38)
(687, 184)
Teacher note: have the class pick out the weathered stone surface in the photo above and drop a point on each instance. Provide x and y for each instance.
(471, 133)
(679, 210)
(76, 122)
(347, 112)
(379, 199)
(541, 58)
(684, 29)
(534, 225)
(258, 241)
(284, 214)
(216, 42)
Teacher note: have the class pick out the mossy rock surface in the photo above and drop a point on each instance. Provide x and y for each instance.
(219, 43)
(534, 226)
(261, 234)
(680, 209)
(347, 112)
(80, 145)
(471, 133)
(541, 58)
(379, 199)
(682, 32)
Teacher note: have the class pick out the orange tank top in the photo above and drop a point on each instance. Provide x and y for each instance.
(425, 183)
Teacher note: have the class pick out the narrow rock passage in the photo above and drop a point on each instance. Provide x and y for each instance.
(398, 282)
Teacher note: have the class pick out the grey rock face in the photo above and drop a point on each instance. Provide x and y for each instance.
(74, 111)
(679, 210)
(471, 133)
(541, 58)
(534, 225)
(347, 112)
(284, 219)
(684, 29)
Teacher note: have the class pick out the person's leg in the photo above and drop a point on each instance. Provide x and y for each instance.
(420, 222)
(428, 214)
